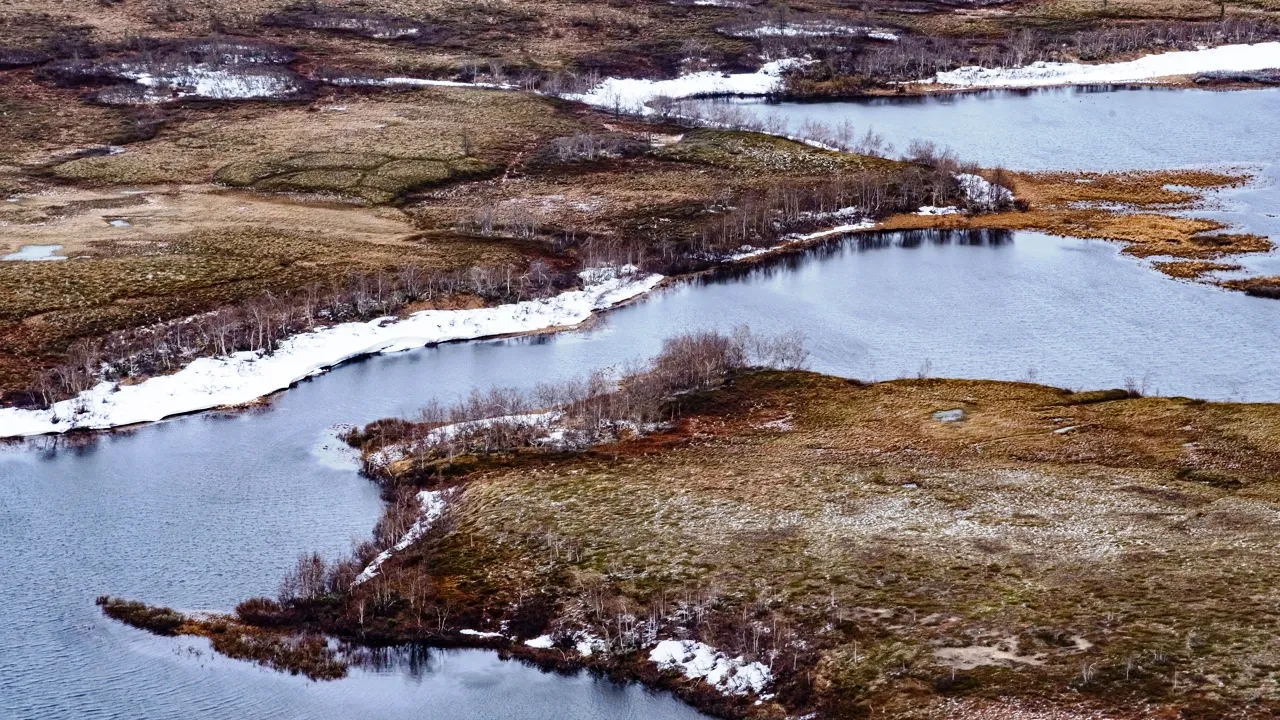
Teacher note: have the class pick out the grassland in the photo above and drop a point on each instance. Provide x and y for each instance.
(1048, 554)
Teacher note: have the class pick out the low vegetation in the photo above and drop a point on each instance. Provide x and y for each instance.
(921, 548)
(297, 654)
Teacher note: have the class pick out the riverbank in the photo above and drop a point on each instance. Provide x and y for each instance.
(928, 547)
(246, 377)
(1132, 208)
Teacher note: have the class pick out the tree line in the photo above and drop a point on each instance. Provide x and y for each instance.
(601, 406)
(262, 322)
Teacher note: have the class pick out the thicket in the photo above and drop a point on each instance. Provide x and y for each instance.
(261, 323)
(842, 68)
(601, 406)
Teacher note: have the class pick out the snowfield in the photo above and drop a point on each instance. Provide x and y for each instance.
(246, 376)
(633, 95)
(699, 661)
(1232, 58)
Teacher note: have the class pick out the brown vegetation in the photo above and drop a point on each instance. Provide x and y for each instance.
(1040, 550)
(1118, 206)
(492, 196)
(296, 654)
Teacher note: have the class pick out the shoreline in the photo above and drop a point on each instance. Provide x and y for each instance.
(548, 609)
(1172, 69)
(16, 423)
(240, 380)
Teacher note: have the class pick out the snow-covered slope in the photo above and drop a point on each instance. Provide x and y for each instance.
(631, 95)
(247, 376)
(1234, 58)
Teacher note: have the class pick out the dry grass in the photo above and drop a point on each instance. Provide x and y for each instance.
(1261, 287)
(1192, 269)
(1124, 546)
(1117, 206)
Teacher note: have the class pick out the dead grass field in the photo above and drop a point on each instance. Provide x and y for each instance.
(1048, 555)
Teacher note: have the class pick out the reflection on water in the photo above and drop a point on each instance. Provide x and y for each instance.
(788, 262)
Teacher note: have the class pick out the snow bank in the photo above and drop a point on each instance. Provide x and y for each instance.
(699, 661)
(353, 81)
(216, 83)
(398, 451)
(431, 504)
(935, 210)
(748, 252)
(246, 376)
(542, 642)
(1232, 58)
(815, 29)
(632, 95)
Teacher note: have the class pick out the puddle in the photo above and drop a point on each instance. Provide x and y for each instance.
(33, 253)
(118, 222)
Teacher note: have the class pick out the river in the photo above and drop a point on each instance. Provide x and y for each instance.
(202, 511)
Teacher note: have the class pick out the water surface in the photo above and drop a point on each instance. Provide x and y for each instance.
(32, 253)
(204, 511)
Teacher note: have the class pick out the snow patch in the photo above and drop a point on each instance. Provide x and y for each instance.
(542, 642)
(633, 95)
(748, 252)
(331, 451)
(481, 634)
(432, 504)
(398, 451)
(983, 194)
(1231, 58)
(699, 661)
(412, 82)
(214, 83)
(246, 376)
(810, 29)
(934, 210)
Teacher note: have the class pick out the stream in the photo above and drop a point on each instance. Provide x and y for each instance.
(203, 511)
